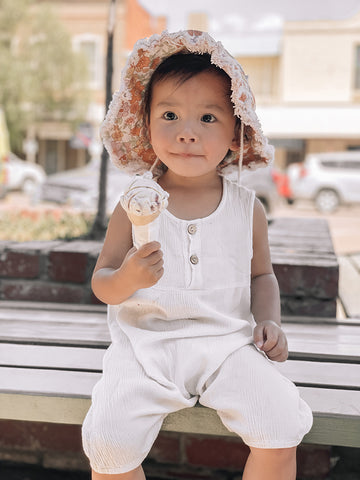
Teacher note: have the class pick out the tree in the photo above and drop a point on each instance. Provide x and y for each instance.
(100, 223)
(41, 77)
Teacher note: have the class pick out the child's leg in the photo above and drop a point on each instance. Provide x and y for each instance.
(137, 474)
(272, 464)
(255, 401)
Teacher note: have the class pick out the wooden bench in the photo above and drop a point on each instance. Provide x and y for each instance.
(51, 357)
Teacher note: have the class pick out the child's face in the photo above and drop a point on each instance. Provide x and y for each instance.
(192, 125)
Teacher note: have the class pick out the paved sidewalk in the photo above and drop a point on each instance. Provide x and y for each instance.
(349, 284)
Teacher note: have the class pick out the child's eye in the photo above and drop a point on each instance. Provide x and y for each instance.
(208, 118)
(170, 116)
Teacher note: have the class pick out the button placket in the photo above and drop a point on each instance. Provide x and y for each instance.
(194, 254)
(194, 259)
(192, 229)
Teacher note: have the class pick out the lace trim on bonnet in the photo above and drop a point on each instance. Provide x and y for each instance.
(124, 132)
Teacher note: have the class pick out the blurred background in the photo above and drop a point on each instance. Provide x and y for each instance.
(303, 63)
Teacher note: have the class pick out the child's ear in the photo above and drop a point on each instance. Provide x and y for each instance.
(235, 142)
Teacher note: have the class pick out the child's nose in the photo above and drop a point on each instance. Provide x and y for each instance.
(187, 135)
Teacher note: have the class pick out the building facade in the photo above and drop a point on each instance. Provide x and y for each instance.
(315, 105)
(60, 147)
(305, 76)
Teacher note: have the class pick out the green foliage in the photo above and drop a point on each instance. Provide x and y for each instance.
(41, 77)
(35, 224)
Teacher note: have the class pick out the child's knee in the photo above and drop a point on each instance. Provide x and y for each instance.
(114, 451)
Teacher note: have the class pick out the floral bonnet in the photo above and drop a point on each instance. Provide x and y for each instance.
(124, 131)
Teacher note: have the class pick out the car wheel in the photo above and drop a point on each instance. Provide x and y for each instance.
(327, 200)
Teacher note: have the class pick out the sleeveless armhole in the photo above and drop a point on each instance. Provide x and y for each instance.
(247, 202)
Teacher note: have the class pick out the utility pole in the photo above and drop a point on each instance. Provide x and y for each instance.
(100, 223)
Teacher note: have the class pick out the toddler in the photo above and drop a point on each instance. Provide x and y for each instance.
(195, 316)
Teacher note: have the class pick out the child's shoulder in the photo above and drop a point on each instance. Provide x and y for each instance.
(234, 188)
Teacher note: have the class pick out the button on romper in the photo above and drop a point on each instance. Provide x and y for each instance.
(187, 339)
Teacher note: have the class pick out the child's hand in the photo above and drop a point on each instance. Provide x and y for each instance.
(270, 338)
(144, 267)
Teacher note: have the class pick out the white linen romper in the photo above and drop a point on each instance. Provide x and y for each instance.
(187, 339)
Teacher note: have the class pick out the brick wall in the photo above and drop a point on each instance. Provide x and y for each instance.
(54, 271)
(173, 456)
(58, 271)
(302, 253)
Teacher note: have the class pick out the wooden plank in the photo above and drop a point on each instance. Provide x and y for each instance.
(343, 375)
(355, 322)
(51, 306)
(37, 408)
(51, 357)
(58, 383)
(79, 385)
(52, 316)
(331, 342)
(328, 429)
(61, 333)
(321, 374)
(349, 286)
(300, 226)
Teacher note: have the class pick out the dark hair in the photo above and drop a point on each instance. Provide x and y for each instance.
(182, 66)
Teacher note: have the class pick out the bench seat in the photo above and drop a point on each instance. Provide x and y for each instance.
(51, 357)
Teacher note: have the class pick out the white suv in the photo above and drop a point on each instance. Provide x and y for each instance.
(329, 179)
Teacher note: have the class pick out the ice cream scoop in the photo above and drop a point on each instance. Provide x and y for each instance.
(143, 202)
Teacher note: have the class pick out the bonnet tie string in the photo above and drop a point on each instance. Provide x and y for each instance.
(153, 165)
(241, 150)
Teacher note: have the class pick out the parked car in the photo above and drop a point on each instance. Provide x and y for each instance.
(79, 187)
(262, 181)
(25, 176)
(327, 179)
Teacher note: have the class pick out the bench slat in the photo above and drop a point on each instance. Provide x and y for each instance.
(53, 316)
(11, 309)
(65, 383)
(60, 333)
(60, 383)
(330, 342)
(343, 375)
(327, 429)
(52, 357)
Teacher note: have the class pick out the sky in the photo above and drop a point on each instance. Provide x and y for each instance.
(241, 13)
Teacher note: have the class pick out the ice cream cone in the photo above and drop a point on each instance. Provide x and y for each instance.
(143, 219)
(143, 201)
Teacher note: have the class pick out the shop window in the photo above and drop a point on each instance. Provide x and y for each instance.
(90, 46)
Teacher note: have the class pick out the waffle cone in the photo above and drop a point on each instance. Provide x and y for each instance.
(140, 220)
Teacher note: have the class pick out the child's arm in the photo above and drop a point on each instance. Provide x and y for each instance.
(265, 297)
(121, 269)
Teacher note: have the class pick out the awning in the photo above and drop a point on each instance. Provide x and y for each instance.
(310, 122)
